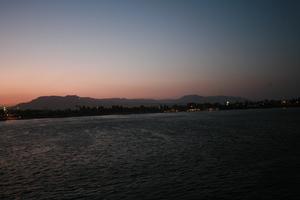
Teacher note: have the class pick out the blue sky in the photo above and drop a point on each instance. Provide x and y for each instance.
(149, 49)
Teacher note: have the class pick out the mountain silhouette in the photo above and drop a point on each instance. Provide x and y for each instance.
(73, 101)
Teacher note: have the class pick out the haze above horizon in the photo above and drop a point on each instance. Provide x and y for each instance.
(149, 49)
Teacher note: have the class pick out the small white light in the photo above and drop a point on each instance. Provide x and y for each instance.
(227, 103)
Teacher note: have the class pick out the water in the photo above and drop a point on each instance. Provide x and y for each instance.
(248, 154)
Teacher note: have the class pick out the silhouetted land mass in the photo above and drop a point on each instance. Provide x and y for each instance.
(17, 113)
(73, 101)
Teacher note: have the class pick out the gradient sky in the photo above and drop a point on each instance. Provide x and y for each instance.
(149, 49)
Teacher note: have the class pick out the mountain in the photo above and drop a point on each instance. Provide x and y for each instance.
(73, 101)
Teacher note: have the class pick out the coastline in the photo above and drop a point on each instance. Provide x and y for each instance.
(14, 118)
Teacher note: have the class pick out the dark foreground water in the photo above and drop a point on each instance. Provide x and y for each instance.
(249, 154)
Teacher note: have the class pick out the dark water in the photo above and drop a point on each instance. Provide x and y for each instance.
(249, 154)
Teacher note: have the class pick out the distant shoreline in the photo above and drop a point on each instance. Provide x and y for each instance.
(16, 114)
(20, 119)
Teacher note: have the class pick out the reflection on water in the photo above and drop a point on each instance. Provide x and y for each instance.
(250, 154)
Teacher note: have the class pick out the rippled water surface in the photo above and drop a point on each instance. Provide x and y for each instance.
(249, 154)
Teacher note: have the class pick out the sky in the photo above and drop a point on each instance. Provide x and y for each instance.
(149, 49)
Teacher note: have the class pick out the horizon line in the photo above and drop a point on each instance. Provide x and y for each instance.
(149, 98)
(139, 98)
